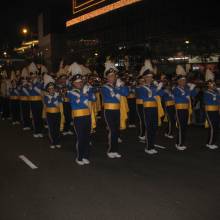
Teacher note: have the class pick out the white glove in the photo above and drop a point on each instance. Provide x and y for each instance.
(119, 83)
(191, 86)
(85, 89)
(56, 103)
(160, 85)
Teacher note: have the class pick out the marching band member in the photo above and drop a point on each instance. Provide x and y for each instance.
(53, 102)
(36, 104)
(24, 100)
(63, 88)
(183, 109)
(111, 93)
(212, 109)
(169, 107)
(15, 103)
(149, 94)
(140, 110)
(81, 118)
(131, 103)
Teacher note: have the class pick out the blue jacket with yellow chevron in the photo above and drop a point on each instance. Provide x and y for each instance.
(212, 97)
(36, 88)
(112, 94)
(182, 95)
(79, 99)
(52, 101)
(149, 92)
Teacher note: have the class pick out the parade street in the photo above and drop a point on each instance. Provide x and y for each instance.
(171, 185)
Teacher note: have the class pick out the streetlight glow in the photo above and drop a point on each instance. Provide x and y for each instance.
(24, 30)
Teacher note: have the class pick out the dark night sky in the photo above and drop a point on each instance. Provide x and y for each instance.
(14, 15)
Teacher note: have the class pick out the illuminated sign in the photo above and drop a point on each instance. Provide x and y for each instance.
(100, 11)
(81, 5)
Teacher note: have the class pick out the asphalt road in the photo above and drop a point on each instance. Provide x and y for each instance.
(169, 186)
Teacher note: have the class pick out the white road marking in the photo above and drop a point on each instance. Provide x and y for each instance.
(161, 147)
(28, 162)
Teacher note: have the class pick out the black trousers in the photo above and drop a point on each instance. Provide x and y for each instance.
(171, 117)
(5, 108)
(112, 118)
(182, 123)
(37, 110)
(25, 111)
(15, 110)
(151, 123)
(67, 116)
(53, 121)
(82, 126)
(140, 113)
(132, 111)
(213, 118)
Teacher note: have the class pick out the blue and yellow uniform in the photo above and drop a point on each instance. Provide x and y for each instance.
(149, 94)
(140, 113)
(53, 115)
(169, 107)
(111, 98)
(212, 109)
(63, 87)
(182, 98)
(35, 92)
(81, 115)
(132, 105)
(15, 103)
(25, 105)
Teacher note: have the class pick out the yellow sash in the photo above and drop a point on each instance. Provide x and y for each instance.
(92, 107)
(98, 102)
(123, 112)
(62, 121)
(160, 110)
(190, 112)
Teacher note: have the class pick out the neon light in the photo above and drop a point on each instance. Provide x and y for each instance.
(89, 6)
(100, 11)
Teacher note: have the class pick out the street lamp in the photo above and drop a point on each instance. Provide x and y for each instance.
(24, 31)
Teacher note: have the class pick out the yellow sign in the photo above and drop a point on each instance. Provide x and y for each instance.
(100, 11)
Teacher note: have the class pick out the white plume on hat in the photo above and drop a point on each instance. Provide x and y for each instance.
(24, 72)
(85, 70)
(109, 65)
(44, 69)
(75, 69)
(32, 68)
(147, 66)
(209, 75)
(180, 70)
(17, 72)
(48, 79)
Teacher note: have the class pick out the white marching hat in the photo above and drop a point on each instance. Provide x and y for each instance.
(24, 73)
(180, 70)
(32, 68)
(147, 66)
(109, 65)
(48, 79)
(75, 69)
